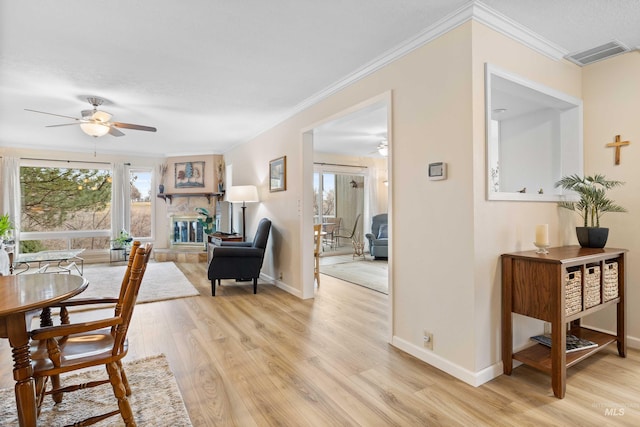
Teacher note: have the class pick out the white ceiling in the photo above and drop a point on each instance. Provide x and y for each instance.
(211, 74)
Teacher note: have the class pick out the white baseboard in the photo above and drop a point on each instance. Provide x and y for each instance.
(474, 379)
(632, 342)
(282, 285)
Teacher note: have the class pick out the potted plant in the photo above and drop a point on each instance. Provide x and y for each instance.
(5, 226)
(122, 240)
(207, 223)
(592, 205)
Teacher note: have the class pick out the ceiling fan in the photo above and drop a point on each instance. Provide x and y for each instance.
(96, 122)
(382, 149)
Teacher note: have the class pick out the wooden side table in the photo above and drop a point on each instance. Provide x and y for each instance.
(216, 239)
(541, 286)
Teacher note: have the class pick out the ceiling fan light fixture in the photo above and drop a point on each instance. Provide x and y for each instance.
(101, 116)
(383, 148)
(94, 129)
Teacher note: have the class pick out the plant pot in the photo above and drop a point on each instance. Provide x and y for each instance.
(161, 188)
(592, 237)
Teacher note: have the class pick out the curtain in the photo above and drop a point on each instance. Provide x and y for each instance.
(11, 199)
(120, 199)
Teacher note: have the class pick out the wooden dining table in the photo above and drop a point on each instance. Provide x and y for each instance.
(23, 297)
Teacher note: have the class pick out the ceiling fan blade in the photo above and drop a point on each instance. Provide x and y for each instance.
(135, 127)
(115, 132)
(51, 114)
(66, 124)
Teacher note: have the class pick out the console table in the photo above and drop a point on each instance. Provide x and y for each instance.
(561, 287)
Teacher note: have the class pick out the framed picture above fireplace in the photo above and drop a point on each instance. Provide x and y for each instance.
(189, 174)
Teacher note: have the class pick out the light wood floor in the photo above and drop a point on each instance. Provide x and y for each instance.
(272, 359)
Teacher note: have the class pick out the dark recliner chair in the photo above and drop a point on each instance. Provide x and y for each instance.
(379, 237)
(240, 260)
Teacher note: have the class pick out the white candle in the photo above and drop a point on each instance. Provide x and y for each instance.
(542, 234)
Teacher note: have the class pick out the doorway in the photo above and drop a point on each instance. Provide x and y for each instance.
(346, 163)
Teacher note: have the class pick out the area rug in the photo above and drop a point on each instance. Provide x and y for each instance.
(371, 274)
(155, 398)
(161, 281)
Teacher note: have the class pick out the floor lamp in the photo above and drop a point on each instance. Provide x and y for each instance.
(245, 194)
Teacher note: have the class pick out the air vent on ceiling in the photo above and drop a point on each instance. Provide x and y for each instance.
(599, 53)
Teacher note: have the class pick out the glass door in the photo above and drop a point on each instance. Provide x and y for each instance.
(338, 203)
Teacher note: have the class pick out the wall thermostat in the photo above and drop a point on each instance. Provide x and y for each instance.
(437, 171)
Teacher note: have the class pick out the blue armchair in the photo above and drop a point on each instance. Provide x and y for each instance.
(379, 237)
(240, 260)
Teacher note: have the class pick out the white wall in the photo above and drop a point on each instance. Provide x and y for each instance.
(526, 145)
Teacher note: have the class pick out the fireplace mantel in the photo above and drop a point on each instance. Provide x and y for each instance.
(170, 196)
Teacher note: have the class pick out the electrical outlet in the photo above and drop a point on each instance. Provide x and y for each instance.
(280, 276)
(547, 327)
(427, 340)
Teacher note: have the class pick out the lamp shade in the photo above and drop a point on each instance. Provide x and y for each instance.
(242, 193)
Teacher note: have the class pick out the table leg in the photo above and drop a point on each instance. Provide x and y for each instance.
(25, 388)
(507, 327)
(558, 359)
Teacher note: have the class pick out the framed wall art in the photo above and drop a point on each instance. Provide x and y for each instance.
(278, 174)
(189, 174)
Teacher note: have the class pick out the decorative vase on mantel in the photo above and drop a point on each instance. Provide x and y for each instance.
(161, 189)
(592, 237)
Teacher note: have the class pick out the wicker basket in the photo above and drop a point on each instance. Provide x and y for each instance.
(573, 292)
(610, 282)
(591, 286)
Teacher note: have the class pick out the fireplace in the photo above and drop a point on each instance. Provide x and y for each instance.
(186, 230)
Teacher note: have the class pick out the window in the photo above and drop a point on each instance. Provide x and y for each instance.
(140, 203)
(325, 195)
(64, 207)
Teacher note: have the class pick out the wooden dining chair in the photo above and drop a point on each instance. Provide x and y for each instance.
(72, 346)
(86, 303)
(317, 235)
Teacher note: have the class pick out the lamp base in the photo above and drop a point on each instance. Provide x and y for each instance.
(244, 230)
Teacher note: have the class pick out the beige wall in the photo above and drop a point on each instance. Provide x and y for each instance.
(507, 226)
(611, 92)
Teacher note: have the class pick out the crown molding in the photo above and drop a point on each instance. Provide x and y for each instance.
(510, 28)
(473, 10)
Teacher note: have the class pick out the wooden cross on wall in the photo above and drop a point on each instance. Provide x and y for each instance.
(618, 144)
